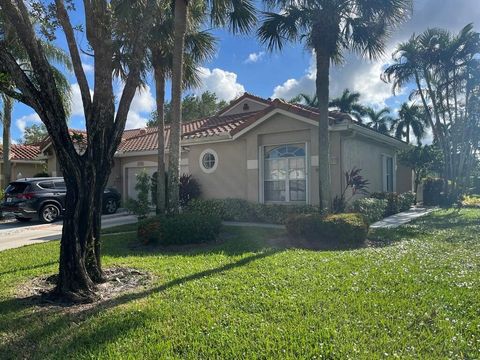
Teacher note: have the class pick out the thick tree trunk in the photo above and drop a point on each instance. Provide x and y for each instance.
(160, 100)
(175, 127)
(7, 122)
(322, 85)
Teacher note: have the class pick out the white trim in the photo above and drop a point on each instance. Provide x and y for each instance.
(25, 161)
(269, 115)
(240, 103)
(379, 137)
(384, 157)
(200, 161)
(261, 175)
(307, 173)
(252, 164)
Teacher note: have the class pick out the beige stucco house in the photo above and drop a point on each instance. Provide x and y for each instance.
(262, 151)
(25, 161)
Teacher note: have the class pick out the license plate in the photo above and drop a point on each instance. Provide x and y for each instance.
(9, 200)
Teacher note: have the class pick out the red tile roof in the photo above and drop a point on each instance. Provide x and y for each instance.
(22, 152)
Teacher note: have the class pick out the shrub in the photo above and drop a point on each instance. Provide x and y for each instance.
(338, 229)
(471, 201)
(189, 189)
(393, 206)
(242, 210)
(406, 200)
(141, 206)
(181, 229)
(432, 191)
(41, 174)
(372, 209)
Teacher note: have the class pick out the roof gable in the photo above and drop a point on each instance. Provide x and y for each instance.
(244, 104)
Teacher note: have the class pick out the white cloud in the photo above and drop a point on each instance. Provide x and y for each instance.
(356, 75)
(76, 102)
(88, 68)
(26, 120)
(254, 57)
(135, 120)
(221, 82)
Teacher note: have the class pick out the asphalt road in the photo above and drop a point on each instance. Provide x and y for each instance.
(15, 234)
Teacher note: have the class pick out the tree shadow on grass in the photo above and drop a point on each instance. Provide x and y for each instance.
(26, 268)
(30, 328)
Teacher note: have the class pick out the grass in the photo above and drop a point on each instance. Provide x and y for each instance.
(412, 295)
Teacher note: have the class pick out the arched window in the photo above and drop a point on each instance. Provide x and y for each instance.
(285, 173)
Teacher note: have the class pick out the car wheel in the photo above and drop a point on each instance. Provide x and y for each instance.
(22, 219)
(49, 213)
(110, 206)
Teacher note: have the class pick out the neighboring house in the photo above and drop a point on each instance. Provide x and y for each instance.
(24, 162)
(262, 151)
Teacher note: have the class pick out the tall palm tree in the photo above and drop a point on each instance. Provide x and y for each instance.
(331, 27)
(379, 120)
(306, 99)
(199, 46)
(54, 55)
(239, 16)
(410, 118)
(348, 103)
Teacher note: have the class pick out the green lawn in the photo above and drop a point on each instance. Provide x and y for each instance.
(415, 294)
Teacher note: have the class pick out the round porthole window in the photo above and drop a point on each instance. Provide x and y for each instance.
(208, 161)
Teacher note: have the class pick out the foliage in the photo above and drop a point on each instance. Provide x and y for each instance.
(348, 103)
(406, 200)
(181, 229)
(358, 186)
(140, 206)
(432, 191)
(193, 108)
(41, 174)
(189, 188)
(379, 120)
(393, 206)
(445, 69)
(422, 160)
(265, 298)
(410, 117)
(472, 201)
(245, 211)
(341, 229)
(372, 209)
(34, 134)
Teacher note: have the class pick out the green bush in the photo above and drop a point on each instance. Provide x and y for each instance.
(432, 191)
(181, 229)
(471, 201)
(336, 229)
(245, 211)
(141, 206)
(406, 200)
(393, 206)
(372, 209)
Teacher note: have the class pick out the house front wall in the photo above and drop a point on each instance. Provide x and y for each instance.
(21, 170)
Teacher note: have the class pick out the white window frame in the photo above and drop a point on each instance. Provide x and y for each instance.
(385, 175)
(200, 161)
(261, 176)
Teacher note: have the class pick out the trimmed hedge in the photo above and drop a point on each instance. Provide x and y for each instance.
(244, 211)
(406, 200)
(433, 192)
(339, 229)
(180, 229)
(372, 209)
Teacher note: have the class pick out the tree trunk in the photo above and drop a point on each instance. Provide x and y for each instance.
(322, 86)
(7, 122)
(180, 25)
(160, 100)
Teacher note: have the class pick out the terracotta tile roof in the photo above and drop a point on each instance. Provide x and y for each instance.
(22, 152)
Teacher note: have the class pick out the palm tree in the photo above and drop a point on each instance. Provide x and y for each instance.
(379, 120)
(199, 46)
(410, 117)
(54, 55)
(239, 16)
(305, 99)
(348, 103)
(331, 27)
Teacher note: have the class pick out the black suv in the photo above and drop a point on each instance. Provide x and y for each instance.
(45, 197)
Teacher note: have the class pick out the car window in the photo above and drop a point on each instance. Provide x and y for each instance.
(46, 185)
(60, 185)
(16, 188)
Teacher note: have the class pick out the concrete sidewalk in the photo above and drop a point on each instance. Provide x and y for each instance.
(396, 220)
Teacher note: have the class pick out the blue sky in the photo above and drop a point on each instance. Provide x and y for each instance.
(242, 64)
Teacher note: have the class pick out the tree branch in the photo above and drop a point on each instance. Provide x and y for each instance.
(75, 55)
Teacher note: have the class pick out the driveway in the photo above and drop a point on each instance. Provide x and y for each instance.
(15, 234)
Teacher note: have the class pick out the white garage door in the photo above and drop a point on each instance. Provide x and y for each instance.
(132, 179)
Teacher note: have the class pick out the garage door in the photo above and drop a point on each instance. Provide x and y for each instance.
(132, 179)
